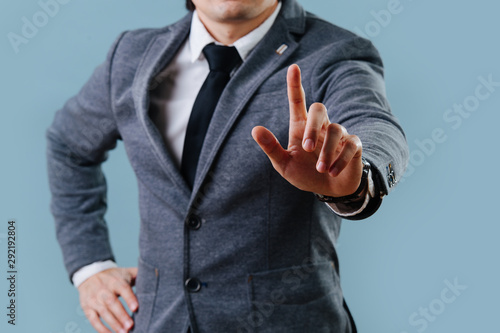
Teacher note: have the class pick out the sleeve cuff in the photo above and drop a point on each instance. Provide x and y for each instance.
(87, 271)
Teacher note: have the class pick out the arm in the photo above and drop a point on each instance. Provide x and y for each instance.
(353, 90)
(78, 140)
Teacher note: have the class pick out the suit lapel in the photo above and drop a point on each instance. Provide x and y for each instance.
(262, 62)
(160, 52)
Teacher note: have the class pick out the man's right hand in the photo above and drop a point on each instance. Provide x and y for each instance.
(99, 299)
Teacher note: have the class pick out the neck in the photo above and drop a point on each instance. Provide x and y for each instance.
(229, 31)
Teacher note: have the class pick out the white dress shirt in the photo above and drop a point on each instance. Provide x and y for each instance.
(172, 100)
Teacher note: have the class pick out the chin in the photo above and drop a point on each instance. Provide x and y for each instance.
(235, 10)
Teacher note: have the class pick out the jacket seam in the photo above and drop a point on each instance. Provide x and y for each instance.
(111, 62)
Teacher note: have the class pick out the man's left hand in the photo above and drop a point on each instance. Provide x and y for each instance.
(321, 156)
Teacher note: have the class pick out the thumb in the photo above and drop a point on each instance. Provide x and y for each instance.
(270, 145)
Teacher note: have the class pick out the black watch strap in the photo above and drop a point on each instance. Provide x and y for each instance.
(356, 196)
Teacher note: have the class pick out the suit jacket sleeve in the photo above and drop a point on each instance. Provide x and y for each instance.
(349, 81)
(78, 140)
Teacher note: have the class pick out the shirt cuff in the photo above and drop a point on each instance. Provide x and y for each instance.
(348, 210)
(87, 271)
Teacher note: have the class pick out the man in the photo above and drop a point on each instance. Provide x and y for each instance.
(243, 239)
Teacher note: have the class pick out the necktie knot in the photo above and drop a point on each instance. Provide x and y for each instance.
(221, 58)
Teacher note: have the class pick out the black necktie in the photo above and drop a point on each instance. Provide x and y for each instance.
(221, 60)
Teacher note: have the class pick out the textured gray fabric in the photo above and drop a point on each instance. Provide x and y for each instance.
(265, 251)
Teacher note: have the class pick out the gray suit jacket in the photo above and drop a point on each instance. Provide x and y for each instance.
(259, 253)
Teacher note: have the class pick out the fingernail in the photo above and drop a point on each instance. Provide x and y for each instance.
(129, 324)
(133, 306)
(309, 145)
(321, 167)
(334, 172)
(123, 331)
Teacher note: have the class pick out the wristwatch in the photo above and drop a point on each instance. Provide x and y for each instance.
(356, 196)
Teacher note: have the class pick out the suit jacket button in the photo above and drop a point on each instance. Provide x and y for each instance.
(193, 222)
(193, 285)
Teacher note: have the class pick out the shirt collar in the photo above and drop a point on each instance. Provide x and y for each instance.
(199, 37)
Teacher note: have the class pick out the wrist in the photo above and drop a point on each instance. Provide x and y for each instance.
(360, 193)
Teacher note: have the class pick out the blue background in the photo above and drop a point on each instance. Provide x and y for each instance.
(439, 225)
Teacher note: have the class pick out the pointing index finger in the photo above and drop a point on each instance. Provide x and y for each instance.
(296, 95)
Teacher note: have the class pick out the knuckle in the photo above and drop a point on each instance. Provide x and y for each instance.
(317, 108)
(334, 129)
(109, 301)
(355, 139)
(342, 129)
(351, 145)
